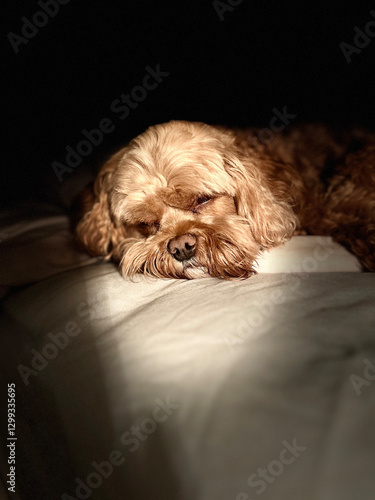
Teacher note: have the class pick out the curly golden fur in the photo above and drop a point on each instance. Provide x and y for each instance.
(186, 199)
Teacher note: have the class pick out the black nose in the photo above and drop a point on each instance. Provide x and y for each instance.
(182, 247)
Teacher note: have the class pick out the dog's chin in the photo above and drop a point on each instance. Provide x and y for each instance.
(192, 270)
(189, 270)
(215, 257)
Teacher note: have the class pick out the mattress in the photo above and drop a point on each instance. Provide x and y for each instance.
(177, 389)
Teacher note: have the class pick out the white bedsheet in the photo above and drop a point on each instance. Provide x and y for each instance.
(245, 371)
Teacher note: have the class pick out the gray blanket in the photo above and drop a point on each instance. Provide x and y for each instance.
(192, 390)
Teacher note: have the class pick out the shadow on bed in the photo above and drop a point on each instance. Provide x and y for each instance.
(70, 428)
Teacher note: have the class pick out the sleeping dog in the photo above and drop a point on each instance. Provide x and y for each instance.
(186, 199)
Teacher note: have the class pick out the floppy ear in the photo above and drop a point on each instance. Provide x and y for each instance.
(97, 231)
(267, 195)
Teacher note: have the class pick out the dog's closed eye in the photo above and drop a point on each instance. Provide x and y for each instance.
(200, 201)
(148, 229)
(203, 199)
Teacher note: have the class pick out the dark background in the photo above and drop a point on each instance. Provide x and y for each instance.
(262, 55)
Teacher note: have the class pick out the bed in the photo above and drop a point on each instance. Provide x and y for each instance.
(185, 390)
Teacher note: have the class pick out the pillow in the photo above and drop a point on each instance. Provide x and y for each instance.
(308, 254)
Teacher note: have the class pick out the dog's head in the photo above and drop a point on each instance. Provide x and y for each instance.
(185, 200)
